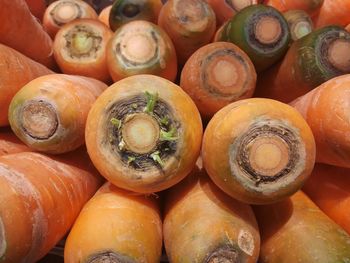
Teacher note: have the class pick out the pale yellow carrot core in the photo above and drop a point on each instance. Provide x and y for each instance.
(140, 133)
(3, 244)
(339, 54)
(240, 4)
(191, 14)
(268, 155)
(268, 30)
(66, 12)
(39, 119)
(300, 29)
(82, 43)
(138, 47)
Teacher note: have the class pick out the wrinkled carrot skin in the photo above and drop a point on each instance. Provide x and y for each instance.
(200, 218)
(37, 8)
(10, 144)
(104, 15)
(119, 222)
(72, 97)
(20, 30)
(312, 7)
(16, 70)
(297, 231)
(333, 12)
(39, 205)
(326, 111)
(97, 67)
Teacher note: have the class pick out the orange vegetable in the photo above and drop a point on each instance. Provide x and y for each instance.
(40, 197)
(20, 30)
(258, 150)
(329, 187)
(312, 7)
(10, 144)
(116, 226)
(16, 70)
(190, 24)
(144, 134)
(202, 224)
(80, 49)
(300, 23)
(333, 12)
(49, 113)
(37, 8)
(296, 230)
(104, 15)
(216, 75)
(60, 13)
(326, 110)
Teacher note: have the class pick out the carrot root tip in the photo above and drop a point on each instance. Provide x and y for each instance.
(224, 254)
(109, 257)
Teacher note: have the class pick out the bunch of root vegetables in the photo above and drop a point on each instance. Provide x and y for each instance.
(193, 131)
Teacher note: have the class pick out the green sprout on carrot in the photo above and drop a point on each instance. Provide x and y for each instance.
(156, 157)
(117, 123)
(151, 101)
(168, 135)
(131, 159)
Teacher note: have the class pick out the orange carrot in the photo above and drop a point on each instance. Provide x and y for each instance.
(21, 31)
(16, 70)
(141, 47)
(190, 24)
(202, 224)
(10, 144)
(219, 32)
(296, 230)
(37, 8)
(312, 7)
(300, 23)
(258, 150)
(40, 197)
(326, 110)
(329, 187)
(333, 12)
(347, 28)
(60, 13)
(216, 75)
(116, 226)
(104, 15)
(49, 113)
(80, 49)
(144, 134)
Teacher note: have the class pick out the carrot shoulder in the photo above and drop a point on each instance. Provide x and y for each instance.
(10, 144)
(333, 12)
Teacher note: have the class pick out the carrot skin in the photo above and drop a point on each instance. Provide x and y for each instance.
(312, 7)
(10, 144)
(333, 12)
(37, 8)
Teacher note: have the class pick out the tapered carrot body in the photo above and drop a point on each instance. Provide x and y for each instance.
(310, 61)
(20, 30)
(216, 75)
(16, 70)
(10, 144)
(49, 113)
(326, 111)
(116, 226)
(297, 231)
(144, 134)
(328, 188)
(141, 47)
(104, 15)
(190, 24)
(312, 7)
(40, 197)
(202, 224)
(300, 23)
(37, 8)
(258, 150)
(60, 13)
(333, 12)
(80, 49)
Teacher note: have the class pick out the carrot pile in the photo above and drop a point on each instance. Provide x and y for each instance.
(147, 131)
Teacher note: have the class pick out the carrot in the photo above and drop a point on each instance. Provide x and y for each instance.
(99, 5)
(261, 32)
(40, 197)
(37, 8)
(326, 110)
(190, 24)
(300, 23)
(329, 187)
(49, 113)
(258, 150)
(333, 12)
(10, 144)
(141, 47)
(80, 49)
(296, 230)
(116, 226)
(310, 61)
(21, 31)
(312, 7)
(347, 28)
(216, 75)
(219, 32)
(226, 9)
(144, 134)
(202, 224)
(124, 11)
(60, 13)
(16, 70)
(104, 15)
